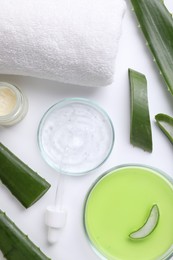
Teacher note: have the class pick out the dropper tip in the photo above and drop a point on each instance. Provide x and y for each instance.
(55, 219)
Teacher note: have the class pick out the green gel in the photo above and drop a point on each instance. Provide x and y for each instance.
(119, 203)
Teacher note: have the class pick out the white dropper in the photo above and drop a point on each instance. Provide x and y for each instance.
(55, 216)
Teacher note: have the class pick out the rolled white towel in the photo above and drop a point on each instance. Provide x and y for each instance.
(71, 41)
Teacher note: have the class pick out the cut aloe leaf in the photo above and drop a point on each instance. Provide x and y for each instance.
(149, 225)
(165, 123)
(14, 244)
(25, 184)
(140, 126)
(157, 25)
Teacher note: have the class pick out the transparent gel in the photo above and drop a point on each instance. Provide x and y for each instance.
(76, 136)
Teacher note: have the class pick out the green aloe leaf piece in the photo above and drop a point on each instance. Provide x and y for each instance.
(165, 123)
(14, 244)
(149, 225)
(25, 184)
(157, 25)
(140, 126)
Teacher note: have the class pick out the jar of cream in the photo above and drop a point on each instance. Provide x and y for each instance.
(13, 104)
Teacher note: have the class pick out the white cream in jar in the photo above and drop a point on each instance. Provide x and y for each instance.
(13, 104)
(8, 101)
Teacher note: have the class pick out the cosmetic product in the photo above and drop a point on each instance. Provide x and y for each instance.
(128, 213)
(75, 136)
(13, 104)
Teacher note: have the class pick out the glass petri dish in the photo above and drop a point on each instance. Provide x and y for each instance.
(75, 136)
(119, 203)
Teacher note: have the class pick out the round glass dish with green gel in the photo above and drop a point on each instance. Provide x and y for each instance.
(128, 214)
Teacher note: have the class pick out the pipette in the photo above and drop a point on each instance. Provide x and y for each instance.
(55, 216)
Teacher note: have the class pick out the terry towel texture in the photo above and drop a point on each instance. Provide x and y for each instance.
(71, 41)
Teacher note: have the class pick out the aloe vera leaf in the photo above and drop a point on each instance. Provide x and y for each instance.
(25, 184)
(157, 25)
(165, 123)
(140, 126)
(149, 225)
(14, 244)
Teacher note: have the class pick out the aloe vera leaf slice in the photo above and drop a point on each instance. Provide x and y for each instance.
(157, 25)
(149, 225)
(14, 244)
(165, 123)
(140, 126)
(25, 184)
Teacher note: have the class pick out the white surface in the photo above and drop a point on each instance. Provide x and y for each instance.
(22, 140)
(72, 41)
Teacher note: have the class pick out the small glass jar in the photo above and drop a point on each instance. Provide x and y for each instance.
(13, 104)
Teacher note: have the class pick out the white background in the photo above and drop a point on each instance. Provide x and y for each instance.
(22, 140)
